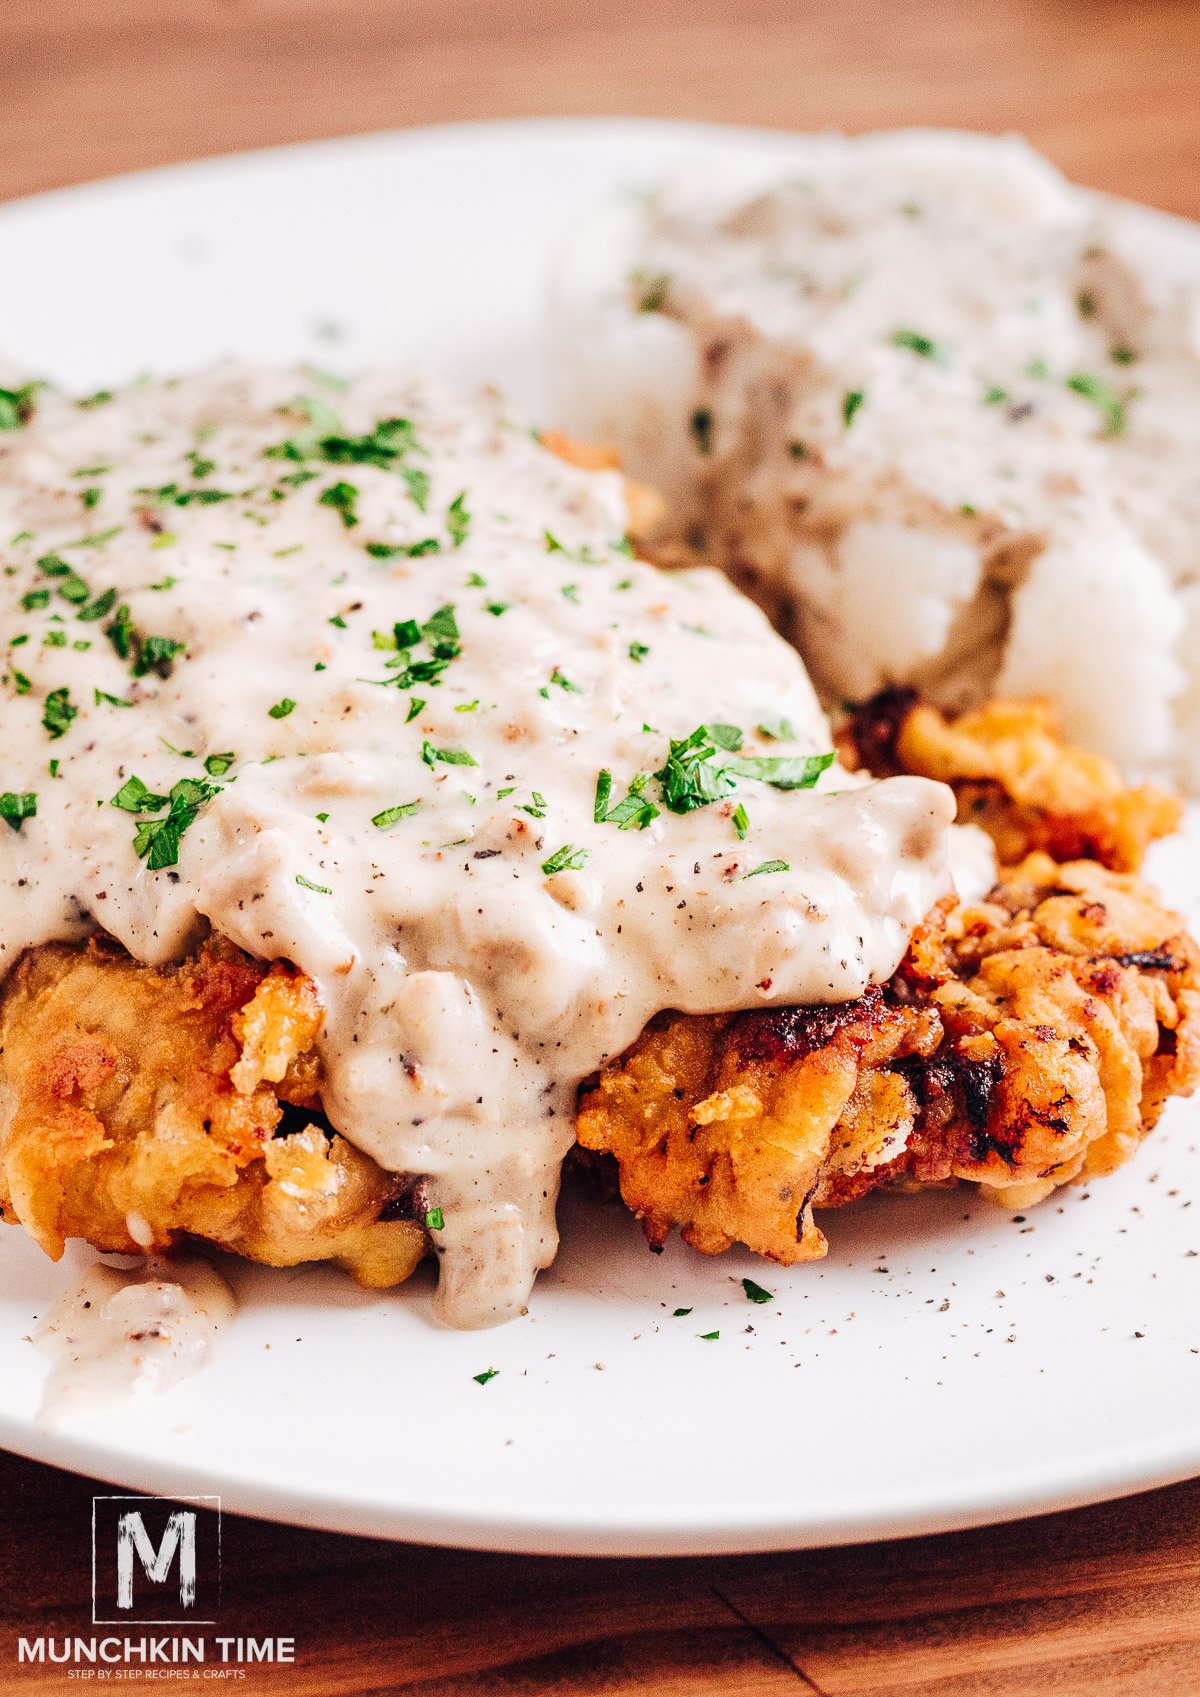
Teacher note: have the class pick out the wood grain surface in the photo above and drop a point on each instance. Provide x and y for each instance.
(1105, 1600)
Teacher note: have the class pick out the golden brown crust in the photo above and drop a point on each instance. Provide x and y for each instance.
(1014, 776)
(145, 1105)
(1024, 1042)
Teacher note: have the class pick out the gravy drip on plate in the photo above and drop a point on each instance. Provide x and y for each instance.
(337, 669)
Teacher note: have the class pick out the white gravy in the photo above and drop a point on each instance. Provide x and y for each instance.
(484, 950)
(114, 1335)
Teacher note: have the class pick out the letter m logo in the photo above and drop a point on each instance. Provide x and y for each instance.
(178, 1539)
(156, 1563)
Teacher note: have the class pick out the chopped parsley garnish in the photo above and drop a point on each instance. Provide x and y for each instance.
(216, 765)
(405, 550)
(649, 290)
(448, 756)
(708, 1337)
(156, 841)
(343, 498)
(923, 346)
(134, 797)
(171, 495)
(704, 767)
(701, 425)
(155, 654)
(440, 632)
(741, 822)
(391, 815)
(415, 704)
(563, 682)
(638, 651)
(1122, 356)
(36, 598)
(16, 807)
(458, 519)
(535, 806)
(16, 405)
(495, 608)
(769, 866)
(58, 712)
(101, 698)
(851, 401)
(482, 1378)
(994, 395)
(282, 708)
(778, 730)
(307, 884)
(435, 1220)
(635, 811)
(569, 858)
(680, 1313)
(756, 1293)
(1103, 397)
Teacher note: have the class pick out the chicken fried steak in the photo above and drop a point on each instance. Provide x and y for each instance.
(151, 1105)
(1014, 776)
(1025, 1041)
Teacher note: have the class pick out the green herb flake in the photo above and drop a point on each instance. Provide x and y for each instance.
(403, 550)
(741, 822)
(852, 400)
(134, 797)
(17, 405)
(482, 1378)
(708, 1337)
(680, 1313)
(343, 498)
(448, 756)
(768, 866)
(435, 1220)
(569, 858)
(282, 708)
(638, 651)
(925, 347)
(307, 884)
(216, 765)
(756, 1293)
(701, 425)
(390, 815)
(1103, 397)
(58, 712)
(18, 806)
(458, 519)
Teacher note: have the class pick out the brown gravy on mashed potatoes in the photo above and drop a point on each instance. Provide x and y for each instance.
(340, 670)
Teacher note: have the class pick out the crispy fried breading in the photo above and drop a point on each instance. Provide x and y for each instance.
(145, 1105)
(1024, 1042)
(1013, 774)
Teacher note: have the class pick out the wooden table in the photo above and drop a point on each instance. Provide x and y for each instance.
(1106, 1600)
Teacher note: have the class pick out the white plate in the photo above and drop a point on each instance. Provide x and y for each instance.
(947, 1365)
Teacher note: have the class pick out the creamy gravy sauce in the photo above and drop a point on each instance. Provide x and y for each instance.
(484, 949)
(114, 1335)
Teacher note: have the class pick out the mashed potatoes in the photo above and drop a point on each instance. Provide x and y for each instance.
(936, 408)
